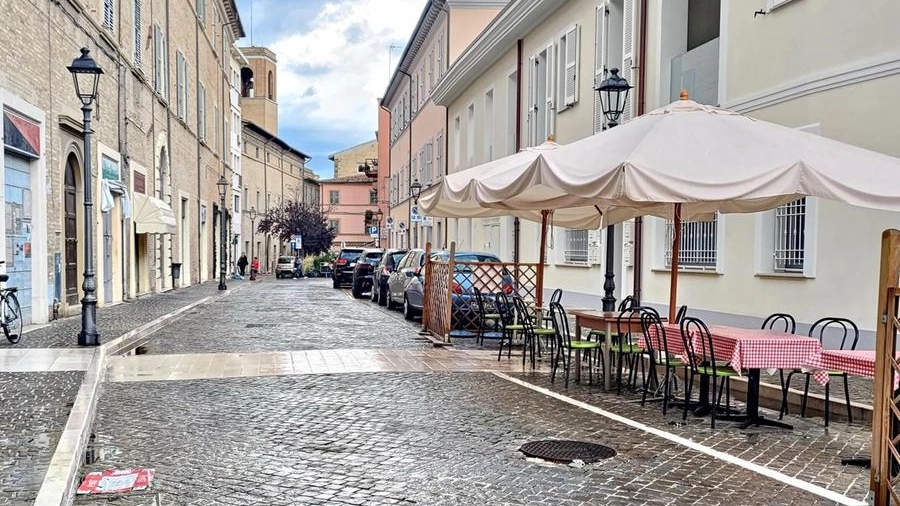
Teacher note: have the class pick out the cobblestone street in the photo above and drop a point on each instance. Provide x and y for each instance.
(302, 424)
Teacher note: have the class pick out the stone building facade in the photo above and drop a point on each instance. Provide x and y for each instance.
(159, 145)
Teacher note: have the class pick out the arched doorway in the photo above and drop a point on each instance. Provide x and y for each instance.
(70, 207)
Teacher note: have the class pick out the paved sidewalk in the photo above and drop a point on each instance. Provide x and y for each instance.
(40, 378)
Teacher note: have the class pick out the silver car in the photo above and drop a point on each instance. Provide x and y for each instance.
(284, 267)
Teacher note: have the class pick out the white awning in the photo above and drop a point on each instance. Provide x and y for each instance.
(152, 216)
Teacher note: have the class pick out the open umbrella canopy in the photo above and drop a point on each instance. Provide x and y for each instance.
(456, 196)
(705, 158)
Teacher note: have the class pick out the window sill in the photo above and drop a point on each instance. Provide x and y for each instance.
(784, 275)
(573, 264)
(702, 272)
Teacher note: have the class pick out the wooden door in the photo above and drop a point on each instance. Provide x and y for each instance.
(71, 227)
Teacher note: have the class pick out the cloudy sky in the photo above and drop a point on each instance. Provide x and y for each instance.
(334, 62)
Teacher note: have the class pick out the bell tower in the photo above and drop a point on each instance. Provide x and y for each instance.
(259, 88)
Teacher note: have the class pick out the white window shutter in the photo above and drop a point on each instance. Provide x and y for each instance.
(533, 100)
(595, 246)
(158, 58)
(108, 14)
(600, 44)
(627, 54)
(571, 66)
(551, 93)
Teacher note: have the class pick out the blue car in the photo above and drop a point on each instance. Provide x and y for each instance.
(466, 277)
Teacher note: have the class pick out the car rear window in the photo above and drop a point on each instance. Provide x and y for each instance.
(350, 255)
(373, 258)
(285, 260)
(396, 257)
(476, 257)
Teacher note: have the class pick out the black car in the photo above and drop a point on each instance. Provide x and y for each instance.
(362, 273)
(383, 271)
(343, 266)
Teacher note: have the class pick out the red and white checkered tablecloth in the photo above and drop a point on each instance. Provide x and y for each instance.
(853, 362)
(759, 349)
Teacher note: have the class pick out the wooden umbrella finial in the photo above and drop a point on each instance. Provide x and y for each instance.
(684, 95)
(551, 138)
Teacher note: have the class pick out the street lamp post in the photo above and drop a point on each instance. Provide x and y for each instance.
(415, 190)
(223, 188)
(378, 216)
(613, 98)
(252, 240)
(86, 75)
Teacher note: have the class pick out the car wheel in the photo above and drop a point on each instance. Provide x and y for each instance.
(335, 283)
(382, 297)
(389, 302)
(408, 311)
(374, 295)
(356, 293)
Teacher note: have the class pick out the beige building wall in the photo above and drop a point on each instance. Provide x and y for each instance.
(347, 161)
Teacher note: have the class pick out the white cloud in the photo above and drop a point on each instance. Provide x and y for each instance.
(331, 75)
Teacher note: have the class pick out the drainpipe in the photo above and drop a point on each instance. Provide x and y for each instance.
(200, 163)
(168, 147)
(517, 226)
(127, 237)
(638, 251)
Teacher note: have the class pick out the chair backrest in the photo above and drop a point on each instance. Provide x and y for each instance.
(556, 296)
(627, 303)
(682, 311)
(780, 321)
(506, 311)
(479, 300)
(697, 342)
(837, 328)
(655, 338)
(523, 316)
(624, 322)
(560, 324)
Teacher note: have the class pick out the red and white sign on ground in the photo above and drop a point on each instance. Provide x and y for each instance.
(116, 481)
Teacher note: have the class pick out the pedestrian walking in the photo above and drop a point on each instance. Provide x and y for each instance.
(298, 267)
(254, 268)
(242, 264)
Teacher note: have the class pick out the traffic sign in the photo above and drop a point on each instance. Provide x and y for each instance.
(402, 225)
(390, 222)
(414, 214)
(297, 241)
(373, 231)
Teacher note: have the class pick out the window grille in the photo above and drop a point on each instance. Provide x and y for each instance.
(698, 244)
(790, 235)
(576, 251)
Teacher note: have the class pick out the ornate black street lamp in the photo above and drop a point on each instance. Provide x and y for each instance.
(415, 189)
(613, 99)
(223, 188)
(378, 216)
(86, 75)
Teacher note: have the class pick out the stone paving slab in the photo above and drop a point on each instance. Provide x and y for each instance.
(286, 315)
(404, 438)
(116, 320)
(33, 411)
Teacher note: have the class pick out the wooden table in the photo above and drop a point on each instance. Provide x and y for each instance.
(593, 319)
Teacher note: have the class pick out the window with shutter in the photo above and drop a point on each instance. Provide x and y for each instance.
(440, 57)
(201, 11)
(569, 54)
(430, 71)
(439, 155)
(138, 38)
(429, 174)
(601, 20)
(158, 56)
(179, 85)
(550, 93)
(595, 247)
(108, 14)
(201, 111)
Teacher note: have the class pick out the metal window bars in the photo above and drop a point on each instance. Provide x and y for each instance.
(576, 251)
(698, 245)
(790, 235)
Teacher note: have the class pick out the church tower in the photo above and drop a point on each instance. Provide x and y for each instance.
(259, 88)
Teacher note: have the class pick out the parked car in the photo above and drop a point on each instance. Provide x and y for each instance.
(389, 262)
(365, 268)
(284, 267)
(343, 266)
(407, 270)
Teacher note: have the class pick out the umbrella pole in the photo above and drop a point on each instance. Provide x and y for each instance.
(539, 296)
(676, 252)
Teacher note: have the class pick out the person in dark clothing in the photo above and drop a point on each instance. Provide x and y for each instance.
(242, 264)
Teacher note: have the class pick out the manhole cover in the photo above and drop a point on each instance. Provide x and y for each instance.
(565, 451)
(261, 325)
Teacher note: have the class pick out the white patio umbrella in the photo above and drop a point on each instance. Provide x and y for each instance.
(690, 160)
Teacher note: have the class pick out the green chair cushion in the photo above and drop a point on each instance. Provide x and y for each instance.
(836, 373)
(584, 345)
(720, 371)
(492, 316)
(544, 332)
(627, 348)
(602, 333)
(514, 327)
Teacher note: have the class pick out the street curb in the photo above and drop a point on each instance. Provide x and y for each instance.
(58, 486)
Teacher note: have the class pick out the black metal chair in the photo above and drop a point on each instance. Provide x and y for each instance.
(625, 348)
(682, 312)
(782, 322)
(658, 345)
(491, 325)
(565, 345)
(847, 332)
(626, 304)
(701, 358)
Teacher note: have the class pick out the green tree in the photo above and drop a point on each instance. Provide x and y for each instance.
(296, 217)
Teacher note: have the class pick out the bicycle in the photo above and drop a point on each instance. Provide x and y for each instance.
(10, 311)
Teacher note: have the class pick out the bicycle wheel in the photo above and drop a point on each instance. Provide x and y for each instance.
(13, 322)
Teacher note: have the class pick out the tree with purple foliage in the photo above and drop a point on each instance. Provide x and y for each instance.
(298, 217)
